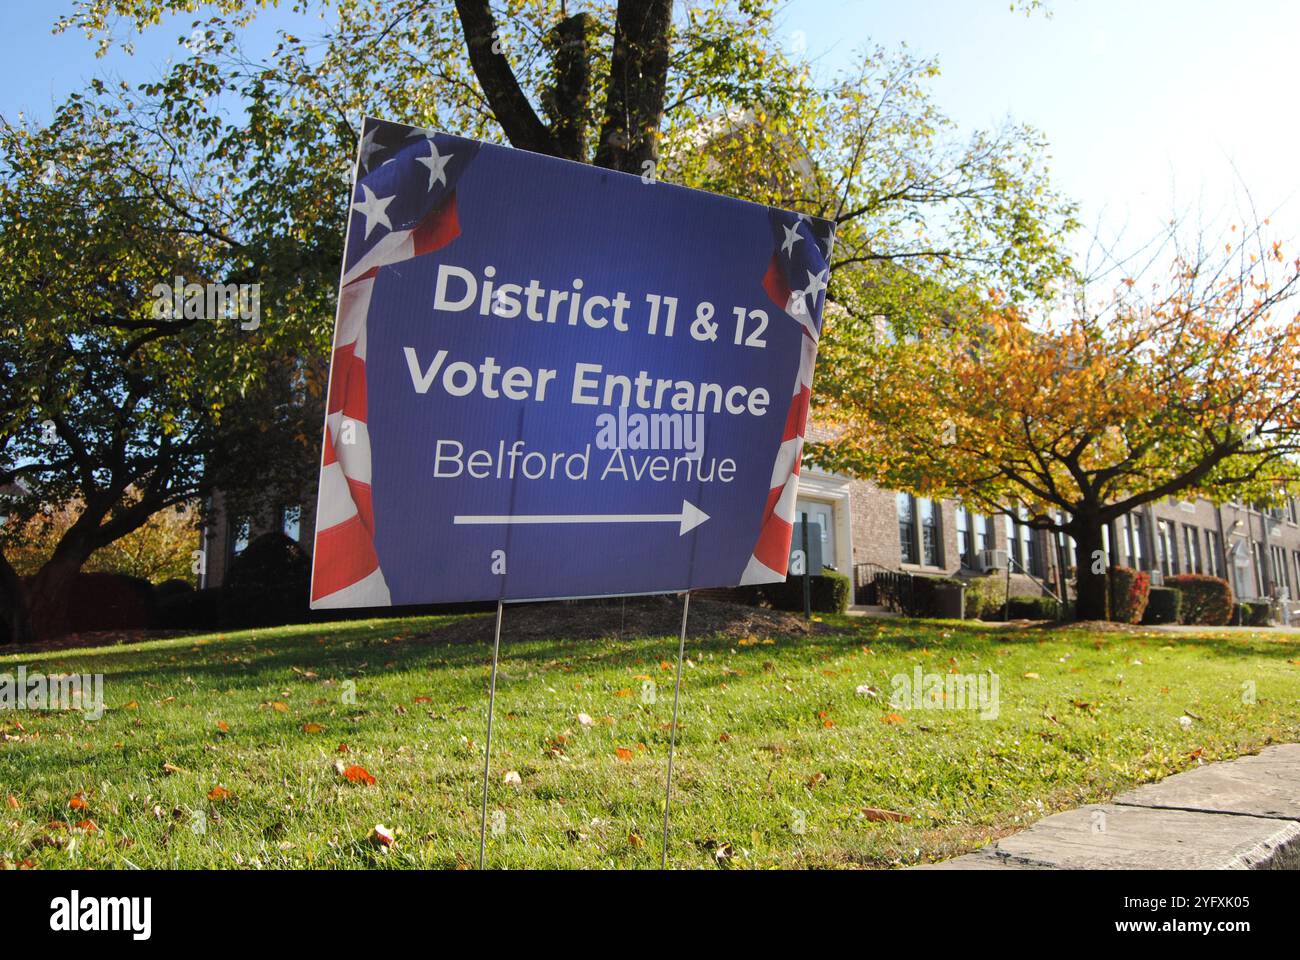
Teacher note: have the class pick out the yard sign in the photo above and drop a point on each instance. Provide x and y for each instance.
(555, 380)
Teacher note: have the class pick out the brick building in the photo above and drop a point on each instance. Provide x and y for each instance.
(865, 528)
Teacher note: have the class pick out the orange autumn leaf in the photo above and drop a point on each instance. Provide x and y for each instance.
(892, 718)
(279, 706)
(312, 728)
(132, 705)
(13, 802)
(878, 815)
(358, 774)
(424, 699)
(623, 753)
(625, 692)
(218, 793)
(341, 748)
(78, 802)
(88, 825)
(223, 726)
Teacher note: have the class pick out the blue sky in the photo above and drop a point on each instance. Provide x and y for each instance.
(1152, 108)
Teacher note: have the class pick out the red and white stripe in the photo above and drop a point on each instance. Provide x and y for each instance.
(345, 566)
(771, 555)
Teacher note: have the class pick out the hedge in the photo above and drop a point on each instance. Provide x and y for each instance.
(985, 596)
(1164, 604)
(829, 590)
(1129, 592)
(1033, 608)
(1206, 599)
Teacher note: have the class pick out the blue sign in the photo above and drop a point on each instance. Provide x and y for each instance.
(554, 380)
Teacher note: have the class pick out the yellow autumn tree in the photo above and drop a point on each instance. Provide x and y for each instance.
(1187, 386)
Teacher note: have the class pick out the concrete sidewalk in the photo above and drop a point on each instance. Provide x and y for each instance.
(1241, 814)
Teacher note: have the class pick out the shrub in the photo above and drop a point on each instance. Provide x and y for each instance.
(985, 596)
(1164, 604)
(171, 588)
(271, 560)
(110, 601)
(1257, 613)
(1129, 592)
(1033, 608)
(268, 584)
(1205, 599)
(191, 610)
(829, 591)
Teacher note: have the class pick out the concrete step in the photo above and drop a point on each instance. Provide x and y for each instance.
(869, 610)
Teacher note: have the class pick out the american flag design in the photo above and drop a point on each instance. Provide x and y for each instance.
(795, 282)
(388, 224)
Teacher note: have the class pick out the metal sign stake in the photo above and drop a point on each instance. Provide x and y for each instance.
(672, 740)
(487, 747)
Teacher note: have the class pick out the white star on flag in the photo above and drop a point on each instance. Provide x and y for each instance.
(791, 238)
(369, 147)
(437, 165)
(815, 283)
(372, 208)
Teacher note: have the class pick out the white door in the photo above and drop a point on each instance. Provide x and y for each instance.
(824, 514)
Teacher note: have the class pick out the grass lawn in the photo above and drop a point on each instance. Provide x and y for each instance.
(780, 762)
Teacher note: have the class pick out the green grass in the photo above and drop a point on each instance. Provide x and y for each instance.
(772, 737)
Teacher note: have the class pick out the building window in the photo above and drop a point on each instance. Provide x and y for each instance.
(1295, 562)
(931, 536)
(920, 533)
(965, 539)
(1281, 572)
(240, 530)
(291, 522)
(1022, 544)
(974, 536)
(906, 505)
(1212, 566)
(1257, 555)
(1134, 532)
(1192, 549)
(1291, 513)
(1166, 547)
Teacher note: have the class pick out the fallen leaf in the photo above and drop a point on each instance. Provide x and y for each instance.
(88, 825)
(13, 802)
(512, 778)
(312, 728)
(223, 726)
(585, 720)
(623, 753)
(635, 840)
(170, 768)
(424, 700)
(218, 793)
(892, 718)
(341, 748)
(132, 705)
(383, 836)
(1032, 676)
(78, 802)
(358, 774)
(878, 815)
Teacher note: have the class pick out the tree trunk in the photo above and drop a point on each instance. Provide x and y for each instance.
(638, 79)
(49, 597)
(13, 606)
(1090, 599)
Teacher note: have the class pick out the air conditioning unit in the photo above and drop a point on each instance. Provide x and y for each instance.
(993, 560)
(1157, 578)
